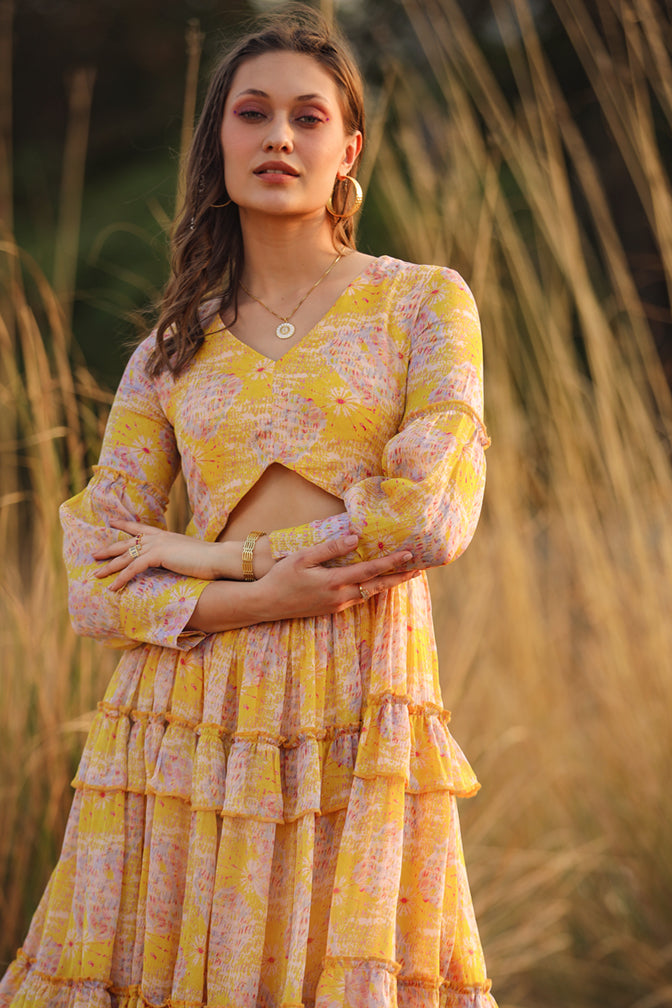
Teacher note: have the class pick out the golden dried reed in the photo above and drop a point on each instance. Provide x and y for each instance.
(554, 629)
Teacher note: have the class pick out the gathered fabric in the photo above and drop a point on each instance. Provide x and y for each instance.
(251, 830)
(266, 817)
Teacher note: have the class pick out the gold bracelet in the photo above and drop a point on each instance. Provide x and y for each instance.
(248, 555)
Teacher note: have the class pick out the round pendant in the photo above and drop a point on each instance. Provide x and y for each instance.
(284, 330)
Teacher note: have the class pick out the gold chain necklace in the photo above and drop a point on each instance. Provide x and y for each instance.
(286, 330)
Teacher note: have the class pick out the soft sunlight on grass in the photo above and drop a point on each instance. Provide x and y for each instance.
(51, 415)
(554, 629)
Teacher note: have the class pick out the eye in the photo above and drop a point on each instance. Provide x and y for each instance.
(310, 119)
(249, 114)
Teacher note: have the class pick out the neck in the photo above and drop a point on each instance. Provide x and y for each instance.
(284, 255)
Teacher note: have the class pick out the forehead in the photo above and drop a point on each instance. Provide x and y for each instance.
(284, 75)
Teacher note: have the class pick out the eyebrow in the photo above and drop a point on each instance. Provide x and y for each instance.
(263, 94)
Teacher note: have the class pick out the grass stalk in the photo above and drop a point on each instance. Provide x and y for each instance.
(570, 668)
(80, 94)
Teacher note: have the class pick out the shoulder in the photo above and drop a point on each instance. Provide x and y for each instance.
(421, 279)
(138, 366)
(139, 388)
(422, 295)
(208, 311)
(137, 363)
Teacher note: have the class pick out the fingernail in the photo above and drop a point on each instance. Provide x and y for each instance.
(406, 557)
(351, 540)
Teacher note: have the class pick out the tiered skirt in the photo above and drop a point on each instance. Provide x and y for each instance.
(266, 821)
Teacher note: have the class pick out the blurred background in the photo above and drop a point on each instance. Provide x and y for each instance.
(528, 144)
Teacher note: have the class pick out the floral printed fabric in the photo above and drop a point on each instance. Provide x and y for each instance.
(379, 404)
(265, 818)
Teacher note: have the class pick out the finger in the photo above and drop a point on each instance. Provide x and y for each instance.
(340, 546)
(112, 549)
(358, 573)
(132, 527)
(121, 555)
(383, 583)
(128, 573)
(392, 580)
(365, 592)
(113, 566)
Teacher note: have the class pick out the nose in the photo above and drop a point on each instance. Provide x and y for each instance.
(279, 135)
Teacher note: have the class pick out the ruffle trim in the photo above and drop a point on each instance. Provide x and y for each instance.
(345, 981)
(273, 778)
(374, 983)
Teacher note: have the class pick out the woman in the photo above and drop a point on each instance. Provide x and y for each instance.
(265, 808)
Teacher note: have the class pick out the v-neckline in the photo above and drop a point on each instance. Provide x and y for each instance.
(313, 329)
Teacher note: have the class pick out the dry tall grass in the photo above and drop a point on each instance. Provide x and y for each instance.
(555, 628)
(51, 416)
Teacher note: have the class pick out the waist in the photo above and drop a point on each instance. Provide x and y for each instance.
(280, 499)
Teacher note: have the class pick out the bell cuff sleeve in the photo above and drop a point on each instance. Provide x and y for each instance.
(138, 464)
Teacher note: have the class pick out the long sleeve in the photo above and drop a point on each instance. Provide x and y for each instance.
(138, 464)
(428, 498)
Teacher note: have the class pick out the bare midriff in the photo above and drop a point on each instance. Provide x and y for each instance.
(279, 499)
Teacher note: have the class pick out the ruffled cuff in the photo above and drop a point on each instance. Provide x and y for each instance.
(289, 540)
(155, 609)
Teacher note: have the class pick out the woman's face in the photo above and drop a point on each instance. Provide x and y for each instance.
(283, 136)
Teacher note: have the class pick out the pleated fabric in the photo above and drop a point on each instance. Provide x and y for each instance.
(267, 820)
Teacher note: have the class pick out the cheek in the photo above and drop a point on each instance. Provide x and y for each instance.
(231, 136)
(326, 157)
(233, 153)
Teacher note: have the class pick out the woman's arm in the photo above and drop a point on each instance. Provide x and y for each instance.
(183, 554)
(429, 497)
(138, 463)
(157, 598)
(299, 586)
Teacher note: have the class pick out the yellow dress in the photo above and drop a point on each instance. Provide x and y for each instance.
(265, 818)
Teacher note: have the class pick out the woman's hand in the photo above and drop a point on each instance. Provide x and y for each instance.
(157, 548)
(300, 586)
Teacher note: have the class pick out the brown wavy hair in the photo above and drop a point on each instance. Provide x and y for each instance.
(207, 246)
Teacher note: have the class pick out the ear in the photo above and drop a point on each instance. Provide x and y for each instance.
(353, 148)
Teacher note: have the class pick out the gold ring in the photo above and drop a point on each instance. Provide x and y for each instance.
(134, 551)
(366, 595)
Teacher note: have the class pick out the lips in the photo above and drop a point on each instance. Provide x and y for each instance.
(275, 168)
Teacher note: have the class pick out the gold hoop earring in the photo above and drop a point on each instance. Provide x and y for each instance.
(218, 205)
(358, 198)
